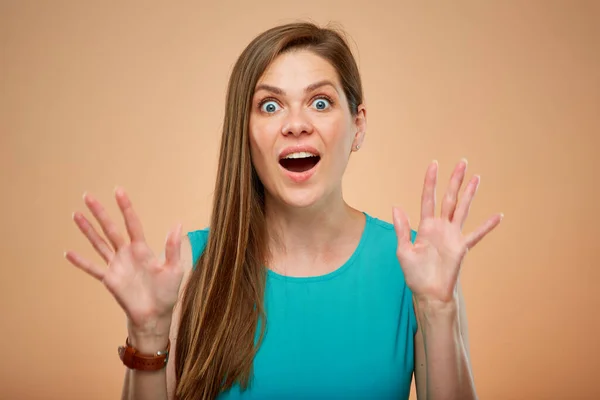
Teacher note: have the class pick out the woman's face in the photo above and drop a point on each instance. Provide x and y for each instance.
(301, 129)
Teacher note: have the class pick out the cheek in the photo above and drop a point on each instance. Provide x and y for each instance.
(263, 134)
(339, 136)
(256, 152)
(260, 148)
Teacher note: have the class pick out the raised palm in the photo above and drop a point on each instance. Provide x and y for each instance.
(432, 263)
(145, 286)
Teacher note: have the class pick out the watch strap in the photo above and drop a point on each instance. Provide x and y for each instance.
(133, 359)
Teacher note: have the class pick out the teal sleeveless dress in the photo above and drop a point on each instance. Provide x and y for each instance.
(348, 334)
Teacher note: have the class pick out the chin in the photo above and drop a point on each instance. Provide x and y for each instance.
(301, 198)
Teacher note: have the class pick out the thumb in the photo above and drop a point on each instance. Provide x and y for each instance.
(402, 227)
(173, 246)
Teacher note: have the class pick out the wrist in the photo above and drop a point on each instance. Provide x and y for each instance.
(151, 338)
(438, 323)
(145, 360)
(147, 345)
(436, 310)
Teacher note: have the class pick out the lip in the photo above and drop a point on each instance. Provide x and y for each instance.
(295, 149)
(299, 177)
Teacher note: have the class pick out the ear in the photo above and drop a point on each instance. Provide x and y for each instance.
(360, 123)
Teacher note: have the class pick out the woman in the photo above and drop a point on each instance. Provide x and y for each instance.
(291, 292)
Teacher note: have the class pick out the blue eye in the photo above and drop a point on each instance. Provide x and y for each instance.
(321, 104)
(269, 106)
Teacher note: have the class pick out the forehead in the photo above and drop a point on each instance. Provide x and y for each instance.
(297, 69)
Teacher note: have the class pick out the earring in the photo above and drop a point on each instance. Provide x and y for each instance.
(357, 147)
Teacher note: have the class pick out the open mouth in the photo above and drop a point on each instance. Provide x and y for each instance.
(300, 161)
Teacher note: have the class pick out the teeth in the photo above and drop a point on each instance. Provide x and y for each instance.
(300, 154)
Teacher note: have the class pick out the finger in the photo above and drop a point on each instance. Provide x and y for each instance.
(428, 194)
(462, 210)
(108, 227)
(450, 199)
(97, 241)
(402, 227)
(85, 265)
(132, 222)
(474, 237)
(173, 247)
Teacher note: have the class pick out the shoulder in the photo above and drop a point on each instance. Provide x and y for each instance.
(383, 232)
(379, 248)
(383, 243)
(197, 240)
(379, 245)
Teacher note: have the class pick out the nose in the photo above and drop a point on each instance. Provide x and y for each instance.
(296, 124)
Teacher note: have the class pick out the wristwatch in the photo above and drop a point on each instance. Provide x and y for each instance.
(143, 362)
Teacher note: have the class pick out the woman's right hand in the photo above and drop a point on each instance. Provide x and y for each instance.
(145, 286)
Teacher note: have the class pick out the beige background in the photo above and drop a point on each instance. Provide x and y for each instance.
(96, 93)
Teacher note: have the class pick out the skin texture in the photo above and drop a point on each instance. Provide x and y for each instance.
(431, 267)
(285, 114)
(299, 101)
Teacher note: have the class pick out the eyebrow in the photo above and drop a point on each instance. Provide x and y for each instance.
(308, 89)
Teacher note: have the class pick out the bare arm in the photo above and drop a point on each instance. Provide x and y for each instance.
(442, 362)
(159, 385)
(431, 265)
(147, 287)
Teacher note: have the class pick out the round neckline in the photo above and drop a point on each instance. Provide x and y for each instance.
(338, 271)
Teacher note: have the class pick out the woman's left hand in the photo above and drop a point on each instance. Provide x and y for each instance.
(432, 263)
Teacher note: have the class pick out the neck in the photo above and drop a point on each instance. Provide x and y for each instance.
(312, 233)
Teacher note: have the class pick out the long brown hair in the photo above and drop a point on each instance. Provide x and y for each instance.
(223, 303)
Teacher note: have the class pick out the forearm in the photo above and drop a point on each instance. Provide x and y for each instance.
(448, 368)
(146, 385)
